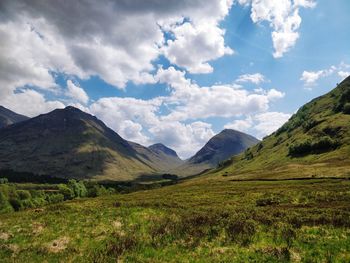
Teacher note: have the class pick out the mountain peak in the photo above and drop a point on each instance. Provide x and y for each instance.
(222, 146)
(159, 147)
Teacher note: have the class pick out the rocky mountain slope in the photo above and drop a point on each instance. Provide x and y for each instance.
(8, 117)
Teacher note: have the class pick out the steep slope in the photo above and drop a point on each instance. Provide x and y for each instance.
(158, 156)
(8, 117)
(219, 148)
(314, 142)
(69, 143)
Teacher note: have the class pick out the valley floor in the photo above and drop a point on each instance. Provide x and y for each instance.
(206, 219)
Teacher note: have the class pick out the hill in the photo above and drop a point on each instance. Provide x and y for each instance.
(69, 143)
(8, 117)
(314, 140)
(219, 148)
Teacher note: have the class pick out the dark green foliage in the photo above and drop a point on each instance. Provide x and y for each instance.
(225, 163)
(248, 155)
(94, 189)
(346, 108)
(343, 100)
(78, 188)
(23, 194)
(260, 146)
(66, 191)
(5, 206)
(321, 145)
(309, 124)
(16, 203)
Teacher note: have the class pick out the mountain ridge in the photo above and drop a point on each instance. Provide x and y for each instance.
(8, 117)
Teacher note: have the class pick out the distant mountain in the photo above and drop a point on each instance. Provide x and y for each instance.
(222, 146)
(219, 148)
(315, 142)
(8, 117)
(70, 143)
(162, 149)
(158, 156)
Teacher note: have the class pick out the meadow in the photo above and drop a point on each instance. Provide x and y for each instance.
(212, 218)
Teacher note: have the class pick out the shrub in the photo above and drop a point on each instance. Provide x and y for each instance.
(15, 203)
(27, 203)
(39, 201)
(248, 155)
(55, 198)
(78, 188)
(24, 194)
(66, 191)
(4, 204)
(346, 108)
(323, 144)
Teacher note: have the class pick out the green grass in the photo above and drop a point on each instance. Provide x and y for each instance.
(208, 219)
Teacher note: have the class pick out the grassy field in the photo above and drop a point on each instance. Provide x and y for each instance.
(207, 219)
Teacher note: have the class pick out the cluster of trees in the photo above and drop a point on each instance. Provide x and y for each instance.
(323, 144)
(343, 103)
(14, 199)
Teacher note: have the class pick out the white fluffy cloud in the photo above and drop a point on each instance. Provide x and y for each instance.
(283, 17)
(208, 40)
(310, 78)
(256, 78)
(118, 43)
(262, 124)
(20, 101)
(76, 92)
(190, 101)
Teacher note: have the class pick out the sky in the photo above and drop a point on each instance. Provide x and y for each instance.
(175, 72)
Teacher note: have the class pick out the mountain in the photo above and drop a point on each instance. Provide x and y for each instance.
(8, 117)
(70, 143)
(222, 146)
(315, 141)
(219, 148)
(162, 149)
(158, 156)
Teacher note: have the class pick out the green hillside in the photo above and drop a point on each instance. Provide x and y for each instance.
(315, 142)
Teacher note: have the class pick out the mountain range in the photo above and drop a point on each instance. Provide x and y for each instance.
(69, 143)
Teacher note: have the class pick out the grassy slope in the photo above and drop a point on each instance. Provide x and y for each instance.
(207, 219)
(273, 156)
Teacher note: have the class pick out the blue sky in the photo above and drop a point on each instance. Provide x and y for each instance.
(176, 73)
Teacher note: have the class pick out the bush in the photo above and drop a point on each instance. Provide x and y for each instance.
(15, 203)
(346, 108)
(66, 191)
(55, 198)
(324, 144)
(78, 188)
(23, 194)
(5, 206)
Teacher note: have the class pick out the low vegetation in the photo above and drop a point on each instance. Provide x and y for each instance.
(15, 197)
(208, 219)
